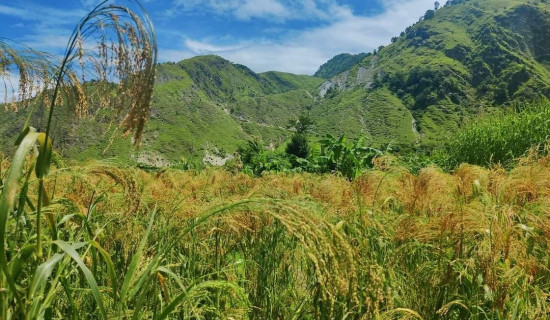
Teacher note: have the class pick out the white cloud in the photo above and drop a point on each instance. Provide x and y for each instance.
(301, 51)
(43, 15)
(277, 10)
(175, 55)
(206, 48)
(261, 8)
(280, 57)
(305, 51)
(49, 28)
(48, 40)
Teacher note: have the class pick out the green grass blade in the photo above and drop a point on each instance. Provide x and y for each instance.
(135, 261)
(87, 274)
(110, 268)
(8, 197)
(68, 292)
(173, 276)
(144, 277)
(39, 280)
(172, 306)
(18, 262)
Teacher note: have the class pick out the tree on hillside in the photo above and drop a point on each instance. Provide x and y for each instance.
(299, 145)
(437, 5)
(429, 14)
(302, 124)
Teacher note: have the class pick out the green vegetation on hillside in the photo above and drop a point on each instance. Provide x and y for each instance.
(342, 156)
(204, 105)
(466, 57)
(503, 137)
(460, 61)
(338, 64)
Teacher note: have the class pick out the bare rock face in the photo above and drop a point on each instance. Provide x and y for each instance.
(152, 159)
(215, 160)
(349, 79)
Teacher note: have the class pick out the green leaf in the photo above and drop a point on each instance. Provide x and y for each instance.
(38, 283)
(7, 198)
(87, 274)
(135, 261)
(44, 156)
(23, 134)
(18, 262)
(110, 267)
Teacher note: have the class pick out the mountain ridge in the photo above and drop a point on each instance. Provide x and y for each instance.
(338, 64)
(464, 59)
(467, 57)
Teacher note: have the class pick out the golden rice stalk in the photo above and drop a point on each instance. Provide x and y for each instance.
(23, 73)
(109, 63)
(115, 48)
(123, 178)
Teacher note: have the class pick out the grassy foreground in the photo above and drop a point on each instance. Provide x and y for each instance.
(218, 245)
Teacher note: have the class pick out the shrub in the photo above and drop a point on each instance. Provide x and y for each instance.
(257, 159)
(298, 146)
(346, 156)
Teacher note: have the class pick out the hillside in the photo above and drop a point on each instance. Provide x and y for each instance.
(302, 225)
(210, 104)
(203, 108)
(454, 64)
(457, 62)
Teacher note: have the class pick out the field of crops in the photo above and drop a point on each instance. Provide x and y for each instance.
(121, 243)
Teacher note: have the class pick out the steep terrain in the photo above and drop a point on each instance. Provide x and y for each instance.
(457, 62)
(461, 60)
(208, 103)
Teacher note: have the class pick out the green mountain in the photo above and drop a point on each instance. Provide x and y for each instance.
(210, 105)
(339, 64)
(456, 62)
(203, 108)
(461, 60)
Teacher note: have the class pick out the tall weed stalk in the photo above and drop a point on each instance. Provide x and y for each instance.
(114, 45)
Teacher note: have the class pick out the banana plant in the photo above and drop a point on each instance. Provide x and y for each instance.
(347, 156)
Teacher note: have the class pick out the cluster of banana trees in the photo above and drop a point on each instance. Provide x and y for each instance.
(345, 156)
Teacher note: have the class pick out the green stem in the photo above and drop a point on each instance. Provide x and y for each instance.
(38, 219)
(4, 302)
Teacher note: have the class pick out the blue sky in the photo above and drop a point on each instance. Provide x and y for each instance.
(284, 35)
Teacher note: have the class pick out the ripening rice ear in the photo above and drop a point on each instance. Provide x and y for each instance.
(114, 47)
(109, 63)
(24, 73)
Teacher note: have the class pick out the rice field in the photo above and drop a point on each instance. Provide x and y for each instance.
(210, 244)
